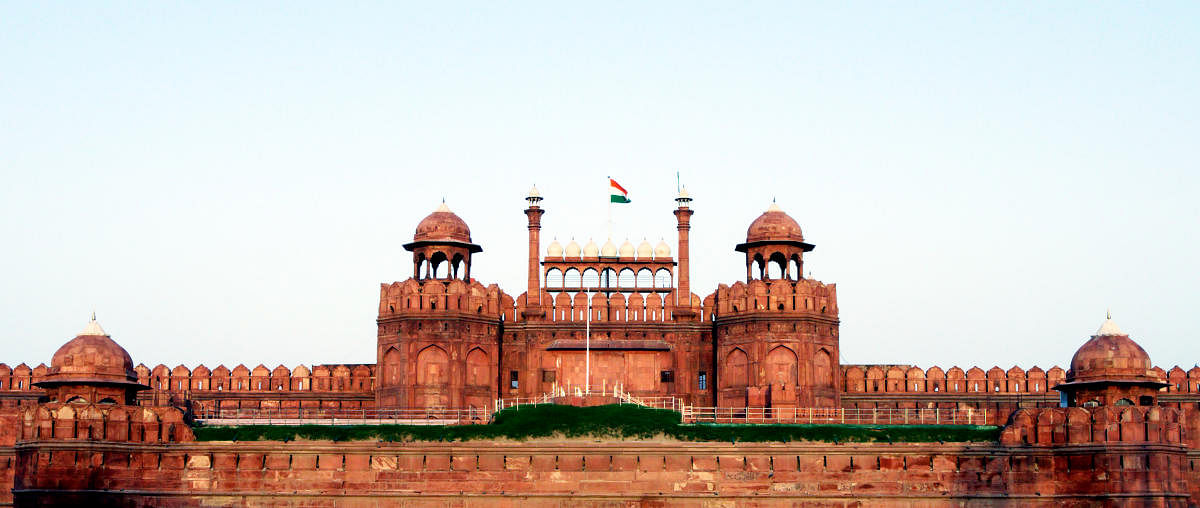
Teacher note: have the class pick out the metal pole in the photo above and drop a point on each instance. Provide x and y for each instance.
(587, 343)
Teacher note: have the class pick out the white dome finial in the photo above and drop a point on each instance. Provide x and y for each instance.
(1109, 328)
(93, 328)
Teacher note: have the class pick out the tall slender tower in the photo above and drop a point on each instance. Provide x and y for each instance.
(533, 295)
(683, 214)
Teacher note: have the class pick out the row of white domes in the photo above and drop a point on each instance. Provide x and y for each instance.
(643, 251)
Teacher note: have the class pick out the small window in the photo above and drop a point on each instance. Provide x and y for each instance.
(513, 380)
(1123, 402)
(703, 380)
(548, 376)
(1145, 400)
(667, 376)
(1091, 403)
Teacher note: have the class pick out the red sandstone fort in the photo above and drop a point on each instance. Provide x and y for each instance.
(621, 321)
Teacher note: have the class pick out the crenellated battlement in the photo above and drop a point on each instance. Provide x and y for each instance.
(805, 296)
(321, 378)
(437, 296)
(910, 379)
(1099, 425)
(104, 422)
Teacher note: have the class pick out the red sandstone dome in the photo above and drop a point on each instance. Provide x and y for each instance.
(774, 225)
(91, 357)
(1110, 355)
(442, 225)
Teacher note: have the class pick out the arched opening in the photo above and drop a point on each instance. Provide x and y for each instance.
(456, 264)
(662, 279)
(760, 269)
(77, 400)
(436, 263)
(608, 278)
(626, 279)
(107, 400)
(1123, 402)
(419, 265)
(591, 278)
(554, 278)
(776, 266)
(645, 278)
(573, 279)
(794, 268)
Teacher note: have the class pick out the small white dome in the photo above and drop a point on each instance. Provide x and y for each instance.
(774, 208)
(662, 250)
(609, 249)
(627, 249)
(572, 250)
(533, 192)
(93, 328)
(684, 195)
(554, 250)
(591, 250)
(644, 250)
(1109, 328)
(443, 208)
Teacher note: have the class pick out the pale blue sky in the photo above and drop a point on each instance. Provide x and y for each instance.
(230, 182)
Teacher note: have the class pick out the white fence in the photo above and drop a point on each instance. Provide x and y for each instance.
(872, 416)
(691, 414)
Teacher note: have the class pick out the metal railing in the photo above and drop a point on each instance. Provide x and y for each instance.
(320, 416)
(872, 416)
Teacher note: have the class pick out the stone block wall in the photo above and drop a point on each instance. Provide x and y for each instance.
(587, 473)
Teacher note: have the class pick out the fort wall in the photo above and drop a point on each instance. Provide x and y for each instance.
(588, 473)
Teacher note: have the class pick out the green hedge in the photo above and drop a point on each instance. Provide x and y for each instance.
(611, 422)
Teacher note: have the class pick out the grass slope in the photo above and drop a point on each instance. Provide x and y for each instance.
(612, 422)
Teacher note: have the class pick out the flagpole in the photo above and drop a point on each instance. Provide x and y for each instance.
(610, 208)
(587, 346)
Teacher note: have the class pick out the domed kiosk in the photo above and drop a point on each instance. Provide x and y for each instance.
(442, 237)
(774, 238)
(1110, 369)
(91, 368)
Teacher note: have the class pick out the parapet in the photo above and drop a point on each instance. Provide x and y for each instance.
(104, 422)
(1101, 425)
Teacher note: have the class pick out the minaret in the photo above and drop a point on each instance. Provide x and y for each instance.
(533, 295)
(683, 214)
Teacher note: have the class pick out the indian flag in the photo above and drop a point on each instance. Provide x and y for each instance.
(619, 194)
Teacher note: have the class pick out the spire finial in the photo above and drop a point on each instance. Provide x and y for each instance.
(1107, 313)
(93, 315)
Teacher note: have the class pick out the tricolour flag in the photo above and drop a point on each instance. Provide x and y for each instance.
(619, 194)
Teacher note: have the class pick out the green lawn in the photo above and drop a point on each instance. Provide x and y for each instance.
(611, 422)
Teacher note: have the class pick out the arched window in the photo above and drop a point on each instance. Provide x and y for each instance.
(662, 278)
(572, 278)
(591, 278)
(554, 278)
(626, 279)
(608, 278)
(645, 279)
(1123, 402)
